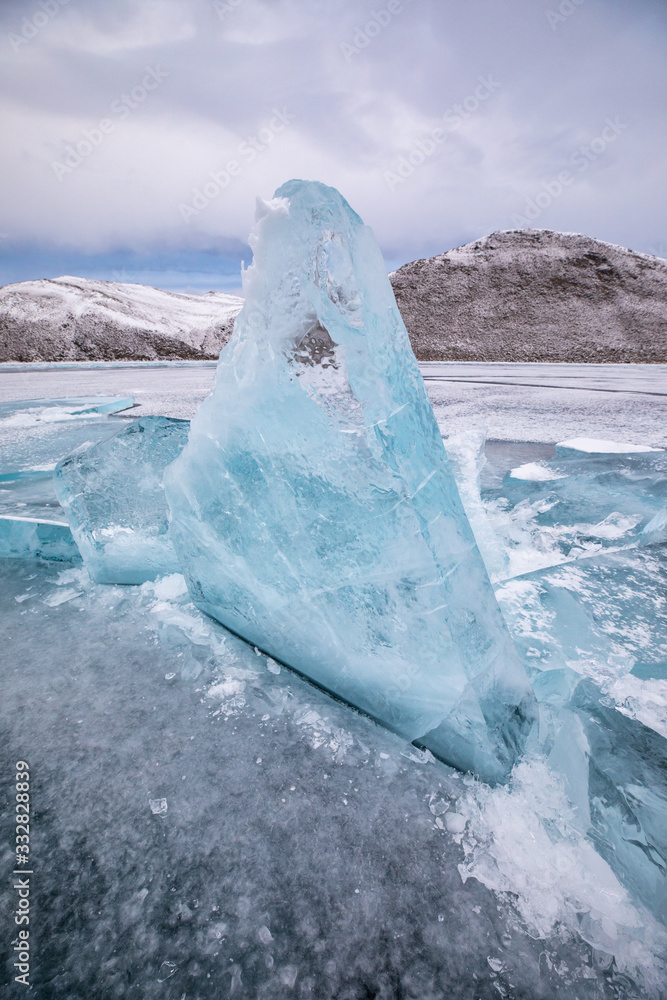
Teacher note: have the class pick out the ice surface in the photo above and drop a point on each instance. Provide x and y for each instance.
(297, 837)
(30, 495)
(593, 501)
(113, 496)
(314, 511)
(36, 434)
(58, 410)
(514, 402)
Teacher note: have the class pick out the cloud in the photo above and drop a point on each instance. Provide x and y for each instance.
(364, 86)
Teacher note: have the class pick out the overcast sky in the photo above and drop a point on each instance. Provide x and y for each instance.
(136, 134)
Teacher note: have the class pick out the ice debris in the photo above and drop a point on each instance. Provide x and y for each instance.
(526, 839)
(583, 628)
(314, 511)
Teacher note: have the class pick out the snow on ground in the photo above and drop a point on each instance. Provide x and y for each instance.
(593, 446)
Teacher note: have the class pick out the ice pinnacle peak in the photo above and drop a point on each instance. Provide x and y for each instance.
(313, 509)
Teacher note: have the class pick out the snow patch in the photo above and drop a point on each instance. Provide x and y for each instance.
(598, 446)
(535, 472)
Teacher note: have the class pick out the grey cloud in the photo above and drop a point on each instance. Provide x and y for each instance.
(358, 115)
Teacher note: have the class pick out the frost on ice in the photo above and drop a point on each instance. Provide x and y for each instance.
(314, 511)
(114, 499)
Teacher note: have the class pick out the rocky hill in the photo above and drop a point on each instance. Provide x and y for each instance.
(78, 319)
(526, 295)
(536, 295)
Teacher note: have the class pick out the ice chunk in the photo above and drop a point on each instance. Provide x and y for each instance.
(113, 495)
(582, 627)
(594, 618)
(525, 839)
(655, 532)
(535, 472)
(589, 503)
(29, 538)
(628, 796)
(644, 699)
(59, 597)
(314, 510)
(466, 457)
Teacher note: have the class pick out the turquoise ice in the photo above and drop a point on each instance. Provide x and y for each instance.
(113, 496)
(30, 538)
(593, 633)
(313, 509)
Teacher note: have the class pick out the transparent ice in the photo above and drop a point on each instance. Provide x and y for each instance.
(30, 538)
(314, 511)
(298, 835)
(34, 438)
(594, 636)
(113, 496)
(561, 506)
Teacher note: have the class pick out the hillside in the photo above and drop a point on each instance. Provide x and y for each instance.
(79, 319)
(536, 295)
(526, 295)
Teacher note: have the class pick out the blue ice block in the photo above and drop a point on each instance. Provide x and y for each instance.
(594, 634)
(585, 502)
(314, 511)
(30, 538)
(113, 496)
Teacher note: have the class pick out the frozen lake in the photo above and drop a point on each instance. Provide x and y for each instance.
(514, 402)
(207, 824)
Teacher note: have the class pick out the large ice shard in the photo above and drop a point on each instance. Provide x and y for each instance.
(314, 511)
(594, 633)
(113, 496)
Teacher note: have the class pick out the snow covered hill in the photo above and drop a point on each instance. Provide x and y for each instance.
(526, 295)
(536, 295)
(79, 319)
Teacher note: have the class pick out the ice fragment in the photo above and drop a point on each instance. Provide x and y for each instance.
(113, 495)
